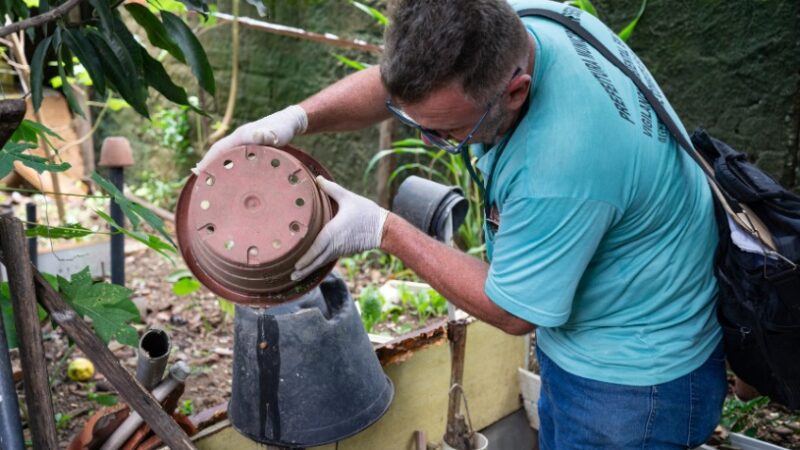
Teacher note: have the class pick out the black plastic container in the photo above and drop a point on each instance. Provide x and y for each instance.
(304, 372)
(426, 204)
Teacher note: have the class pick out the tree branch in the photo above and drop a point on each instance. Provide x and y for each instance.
(39, 20)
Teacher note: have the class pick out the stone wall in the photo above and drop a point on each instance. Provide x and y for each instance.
(277, 71)
(732, 67)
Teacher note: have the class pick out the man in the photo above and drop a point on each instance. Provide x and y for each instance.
(599, 231)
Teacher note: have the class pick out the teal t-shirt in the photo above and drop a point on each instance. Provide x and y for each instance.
(606, 231)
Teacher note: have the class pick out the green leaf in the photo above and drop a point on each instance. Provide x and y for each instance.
(192, 49)
(156, 76)
(104, 399)
(628, 30)
(393, 151)
(83, 50)
(121, 75)
(106, 15)
(417, 166)
(370, 304)
(350, 62)
(133, 211)
(7, 312)
(30, 131)
(37, 70)
(127, 40)
(156, 33)
(66, 88)
(186, 286)
(585, 5)
(154, 242)
(178, 274)
(226, 307)
(117, 104)
(68, 231)
(372, 12)
(14, 152)
(107, 305)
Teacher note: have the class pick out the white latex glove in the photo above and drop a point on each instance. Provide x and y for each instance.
(276, 129)
(357, 227)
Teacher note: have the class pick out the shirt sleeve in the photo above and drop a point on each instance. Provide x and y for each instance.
(541, 250)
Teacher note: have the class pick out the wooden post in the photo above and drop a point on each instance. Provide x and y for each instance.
(41, 415)
(386, 165)
(457, 433)
(12, 235)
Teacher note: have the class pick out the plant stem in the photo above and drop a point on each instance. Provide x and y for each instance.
(39, 20)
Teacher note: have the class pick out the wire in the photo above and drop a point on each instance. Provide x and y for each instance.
(36, 191)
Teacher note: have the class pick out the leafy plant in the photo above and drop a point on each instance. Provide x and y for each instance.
(183, 283)
(102, 399)
(186, 407)
(107, 305)
(424, 303)
(625, 33)
(370, 303)
(737, 415)
(157, 191)
(374, 308)
(62, 420)
(442, 167)
(7, 310)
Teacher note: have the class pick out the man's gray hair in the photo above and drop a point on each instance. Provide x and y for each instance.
(431, 43)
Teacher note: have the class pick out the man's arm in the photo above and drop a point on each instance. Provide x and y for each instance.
(457, 276)
(352, 103)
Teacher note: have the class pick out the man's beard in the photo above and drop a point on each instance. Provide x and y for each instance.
(493, 125)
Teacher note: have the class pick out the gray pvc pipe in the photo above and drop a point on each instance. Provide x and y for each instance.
(177, 375)
(10, 424)
(153, 353)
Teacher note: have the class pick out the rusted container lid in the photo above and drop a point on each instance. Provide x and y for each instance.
(244, 222)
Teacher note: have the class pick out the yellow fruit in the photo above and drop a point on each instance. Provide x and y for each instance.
(80, 369)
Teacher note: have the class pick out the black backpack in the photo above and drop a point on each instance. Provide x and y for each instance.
(759, 298)
(758, 274)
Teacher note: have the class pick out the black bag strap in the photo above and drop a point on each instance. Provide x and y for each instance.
(739, 212)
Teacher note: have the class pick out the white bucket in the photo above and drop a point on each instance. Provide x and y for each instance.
(479, 442)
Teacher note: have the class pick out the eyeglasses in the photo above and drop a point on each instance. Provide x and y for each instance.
(433, 136)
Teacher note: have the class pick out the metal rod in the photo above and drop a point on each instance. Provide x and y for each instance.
(327, 38)
(10, 424)
(117, 177)
(29, 334)
(152, 356)
(33, 249)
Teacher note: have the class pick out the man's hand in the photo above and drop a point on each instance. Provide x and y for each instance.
(357, 226)
(277, 129)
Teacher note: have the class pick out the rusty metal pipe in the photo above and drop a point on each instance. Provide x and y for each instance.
(152, 356)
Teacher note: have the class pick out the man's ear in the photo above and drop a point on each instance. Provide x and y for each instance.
(517, 91)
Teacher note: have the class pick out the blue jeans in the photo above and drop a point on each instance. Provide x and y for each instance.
(579, 413)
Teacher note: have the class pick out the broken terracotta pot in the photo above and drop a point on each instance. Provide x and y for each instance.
(244, 222)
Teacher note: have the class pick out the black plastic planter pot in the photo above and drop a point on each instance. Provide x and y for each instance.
(305, 373)
(427, 204)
